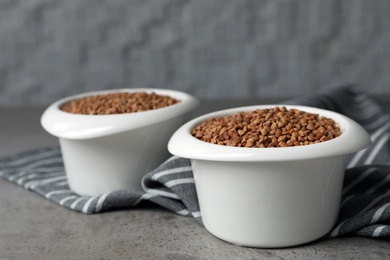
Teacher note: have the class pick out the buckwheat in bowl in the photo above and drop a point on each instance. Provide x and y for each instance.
(269, 176)
(110, 139)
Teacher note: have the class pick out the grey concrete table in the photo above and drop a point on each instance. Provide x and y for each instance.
(34, 228)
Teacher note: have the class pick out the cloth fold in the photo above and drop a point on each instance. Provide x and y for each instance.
(365, 207)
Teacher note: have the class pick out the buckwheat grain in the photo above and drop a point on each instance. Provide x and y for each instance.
(275, 127)
(118, 103)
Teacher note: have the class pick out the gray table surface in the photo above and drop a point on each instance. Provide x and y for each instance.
(34, 228)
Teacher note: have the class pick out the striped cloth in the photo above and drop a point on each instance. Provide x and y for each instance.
(365, 208)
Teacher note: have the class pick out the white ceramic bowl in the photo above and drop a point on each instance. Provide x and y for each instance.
(103, 153)
(269, 197)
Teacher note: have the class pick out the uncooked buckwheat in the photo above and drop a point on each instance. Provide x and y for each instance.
(275, 127)
(118, 103)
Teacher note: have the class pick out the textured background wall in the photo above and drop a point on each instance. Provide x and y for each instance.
(212, 49)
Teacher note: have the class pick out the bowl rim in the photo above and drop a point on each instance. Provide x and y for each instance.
(352, 139)
(80, 126)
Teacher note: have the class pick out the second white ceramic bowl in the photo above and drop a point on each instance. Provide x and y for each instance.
(103, 153)
(269, 197)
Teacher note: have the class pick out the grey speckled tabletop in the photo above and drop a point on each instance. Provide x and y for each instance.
(34, 228)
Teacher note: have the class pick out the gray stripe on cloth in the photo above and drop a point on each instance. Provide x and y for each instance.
(365, 207)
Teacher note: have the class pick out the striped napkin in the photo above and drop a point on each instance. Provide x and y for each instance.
(365, 208)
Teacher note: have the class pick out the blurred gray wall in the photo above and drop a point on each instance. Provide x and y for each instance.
(213, 49)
